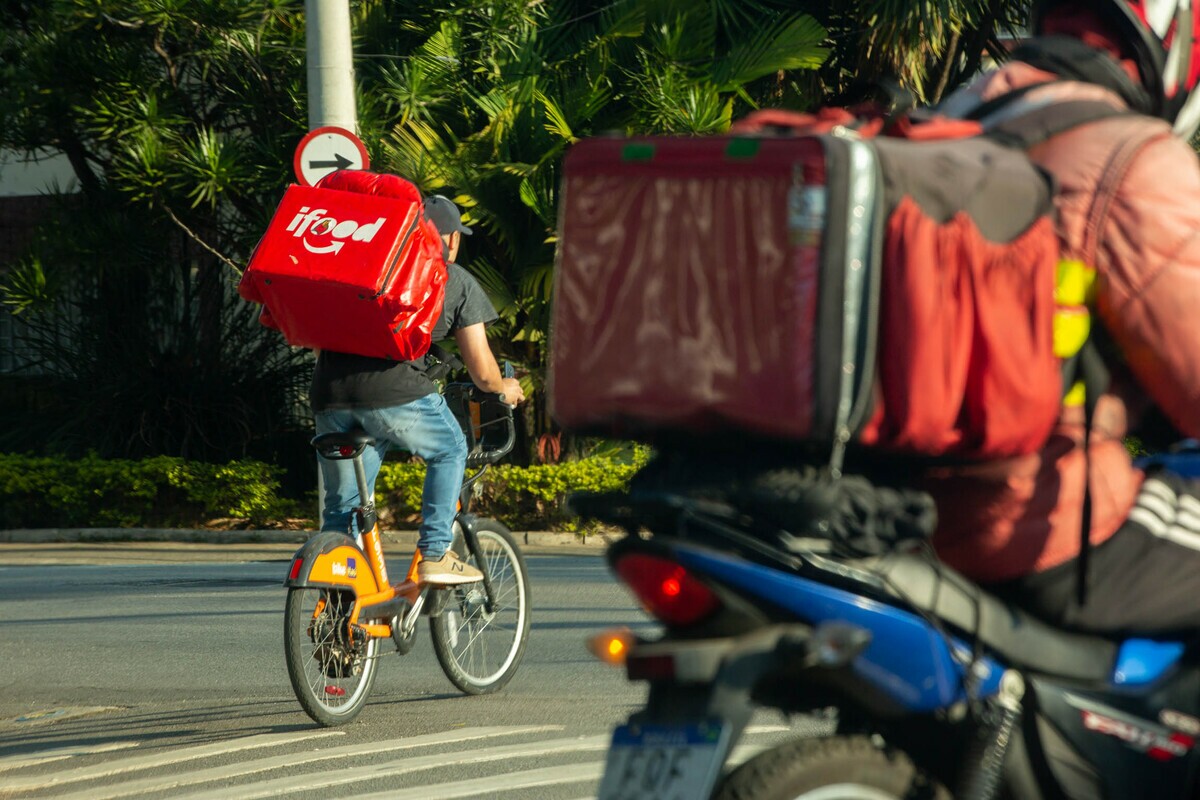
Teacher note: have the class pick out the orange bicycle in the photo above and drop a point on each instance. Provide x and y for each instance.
(342, 610)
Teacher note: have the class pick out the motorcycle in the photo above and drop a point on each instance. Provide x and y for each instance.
(936, 688)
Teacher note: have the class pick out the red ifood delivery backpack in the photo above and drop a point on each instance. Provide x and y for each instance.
(801, 280)
(351, 265)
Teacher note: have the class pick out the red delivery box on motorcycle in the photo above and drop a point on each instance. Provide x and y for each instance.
(355, 270)
(814, 286)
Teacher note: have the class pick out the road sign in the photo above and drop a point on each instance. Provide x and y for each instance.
(325, 150)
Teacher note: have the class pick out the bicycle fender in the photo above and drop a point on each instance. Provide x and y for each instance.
(332, 561)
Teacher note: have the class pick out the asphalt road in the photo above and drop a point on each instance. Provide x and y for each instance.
(123, 679)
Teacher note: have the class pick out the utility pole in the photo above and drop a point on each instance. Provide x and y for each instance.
(330, 65)
(330, 93)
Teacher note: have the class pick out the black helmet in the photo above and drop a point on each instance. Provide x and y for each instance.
(1161, 35)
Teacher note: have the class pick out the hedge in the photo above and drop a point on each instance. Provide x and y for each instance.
(165, 492)
(524, 497)
(41, 492)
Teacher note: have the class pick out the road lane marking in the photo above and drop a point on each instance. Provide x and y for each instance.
(163, 759)
(59, 753)
(160, 783)
(391, 769)
(492, 785)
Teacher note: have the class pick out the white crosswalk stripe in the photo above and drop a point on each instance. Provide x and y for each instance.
(464, 760)
(393, 769)
(59, 753)
(162, 759)
(290, 761)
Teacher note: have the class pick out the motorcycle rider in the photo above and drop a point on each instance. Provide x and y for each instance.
(1016, 525)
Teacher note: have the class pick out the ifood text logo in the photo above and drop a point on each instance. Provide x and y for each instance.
(315, 222)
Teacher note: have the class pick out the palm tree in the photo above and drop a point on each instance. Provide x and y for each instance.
(489, 95)
(928, 46)
(180, 117)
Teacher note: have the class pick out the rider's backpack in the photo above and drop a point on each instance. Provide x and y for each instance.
(351, 265)
(805, 279)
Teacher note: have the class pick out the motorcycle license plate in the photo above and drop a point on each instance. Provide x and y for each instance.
(664, 762)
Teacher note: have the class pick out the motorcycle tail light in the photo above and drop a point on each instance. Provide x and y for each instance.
(667, 590)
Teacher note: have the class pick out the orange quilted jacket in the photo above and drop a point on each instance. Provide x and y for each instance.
(1010, 518)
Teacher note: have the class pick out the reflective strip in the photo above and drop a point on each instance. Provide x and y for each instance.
(1168, 515)
(1075, 397)
(1074, 290)
(1164, 510)
(1148, 520)
(1074, 284)
(1171, 533)
(1187, 519)
(1159, 489)
(1072, 326)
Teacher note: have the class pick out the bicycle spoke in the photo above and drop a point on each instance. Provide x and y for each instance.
(335, 675)
(480, 650)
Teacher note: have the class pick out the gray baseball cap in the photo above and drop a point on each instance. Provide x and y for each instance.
(445, 215)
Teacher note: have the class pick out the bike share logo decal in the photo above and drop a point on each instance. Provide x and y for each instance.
(314, 223)
(347, 570)
(1156, 742)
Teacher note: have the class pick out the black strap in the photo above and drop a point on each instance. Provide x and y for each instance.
(1040, 124)
(989, 107)
(1087, 366)
(439, 362)
(1071, 59)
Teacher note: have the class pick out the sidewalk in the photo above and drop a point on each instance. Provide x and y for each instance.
(36, 547)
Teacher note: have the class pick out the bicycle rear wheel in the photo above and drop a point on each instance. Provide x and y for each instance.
(480, 650)
(332, 677)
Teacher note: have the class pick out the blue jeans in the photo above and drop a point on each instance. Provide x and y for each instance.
(424, 427)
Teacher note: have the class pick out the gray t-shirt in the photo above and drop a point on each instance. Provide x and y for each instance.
(343, 380)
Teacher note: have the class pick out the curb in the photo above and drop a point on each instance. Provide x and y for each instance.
(100, 535)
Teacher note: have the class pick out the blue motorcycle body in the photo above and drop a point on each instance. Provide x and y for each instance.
(983, 698)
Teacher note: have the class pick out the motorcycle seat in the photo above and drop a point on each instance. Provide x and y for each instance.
(1020, 639)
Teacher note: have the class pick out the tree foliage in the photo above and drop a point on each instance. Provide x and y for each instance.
(176, 116)
(180, 116)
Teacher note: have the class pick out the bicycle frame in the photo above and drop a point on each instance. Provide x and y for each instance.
(341, 602)
(330, 559)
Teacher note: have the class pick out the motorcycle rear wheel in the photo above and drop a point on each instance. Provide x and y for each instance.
(833, 768)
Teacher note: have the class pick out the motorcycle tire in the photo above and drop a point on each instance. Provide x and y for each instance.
(841, 767)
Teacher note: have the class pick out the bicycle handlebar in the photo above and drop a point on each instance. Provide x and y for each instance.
(486, 422)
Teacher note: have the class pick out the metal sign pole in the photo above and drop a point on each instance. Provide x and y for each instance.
(330, 65)
(330, 91)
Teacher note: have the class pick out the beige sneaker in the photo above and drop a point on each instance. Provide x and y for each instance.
(447, 571)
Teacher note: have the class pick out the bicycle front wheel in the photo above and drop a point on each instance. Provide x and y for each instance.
(480, 650)
(331, 672)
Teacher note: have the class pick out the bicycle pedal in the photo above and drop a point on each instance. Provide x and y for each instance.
(404, 643)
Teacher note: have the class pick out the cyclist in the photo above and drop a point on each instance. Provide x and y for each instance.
(399, 405)
(1017, 525)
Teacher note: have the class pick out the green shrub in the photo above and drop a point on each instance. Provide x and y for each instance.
(523, 497)
(42, 492)
(166, 492)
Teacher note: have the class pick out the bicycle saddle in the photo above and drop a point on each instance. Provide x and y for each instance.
(342, 444)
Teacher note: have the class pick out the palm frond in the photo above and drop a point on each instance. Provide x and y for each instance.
(797, 45)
